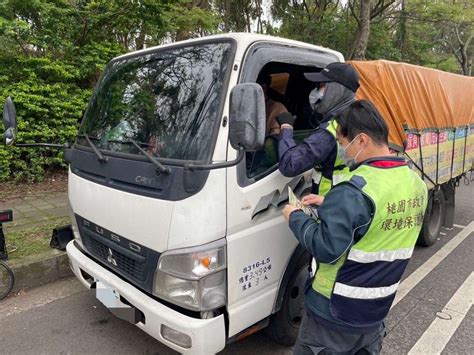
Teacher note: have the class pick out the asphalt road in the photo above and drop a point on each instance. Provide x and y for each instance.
(432, 314)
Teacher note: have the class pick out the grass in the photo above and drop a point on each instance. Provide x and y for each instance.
(31, 241)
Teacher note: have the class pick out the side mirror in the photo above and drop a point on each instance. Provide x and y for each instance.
(247, 117)
(9, 121)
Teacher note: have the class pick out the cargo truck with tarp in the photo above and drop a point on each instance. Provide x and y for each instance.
(430, 114)
(175, 193)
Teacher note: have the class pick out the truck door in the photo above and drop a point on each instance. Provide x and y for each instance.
(260, 244)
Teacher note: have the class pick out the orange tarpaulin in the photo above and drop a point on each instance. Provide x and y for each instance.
(418, 97)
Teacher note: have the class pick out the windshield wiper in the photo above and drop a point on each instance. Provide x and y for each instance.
(161, 169)
(100, 157)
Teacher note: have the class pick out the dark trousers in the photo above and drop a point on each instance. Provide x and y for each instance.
(315, 338)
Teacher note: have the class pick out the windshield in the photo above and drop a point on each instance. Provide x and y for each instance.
(167, 101)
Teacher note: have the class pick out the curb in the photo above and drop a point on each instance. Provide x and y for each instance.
(40, 269)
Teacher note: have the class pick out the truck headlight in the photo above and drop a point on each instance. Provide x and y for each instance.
(74, 226)
(194, 278)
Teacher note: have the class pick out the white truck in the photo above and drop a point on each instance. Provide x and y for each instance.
(175, 208)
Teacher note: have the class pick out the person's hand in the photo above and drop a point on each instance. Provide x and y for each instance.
(312, 199)
(286, 118)
(287, 211)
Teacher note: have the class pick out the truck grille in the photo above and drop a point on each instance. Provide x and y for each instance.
(134, 262)
(115, 259)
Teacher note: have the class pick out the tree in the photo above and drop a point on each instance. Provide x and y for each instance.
(402, 30)
(52, 53)
(308, 20)
(364, 12)
(190, 19)
(237, 15)
(440, 34)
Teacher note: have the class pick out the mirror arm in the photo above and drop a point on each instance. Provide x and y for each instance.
(226, 164)
(47, 145)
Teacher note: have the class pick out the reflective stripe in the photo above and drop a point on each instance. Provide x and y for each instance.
(364, 293)
(317, 176)
(337, 178)
(361, 256)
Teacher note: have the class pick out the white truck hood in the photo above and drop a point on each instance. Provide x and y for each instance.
(156, 224)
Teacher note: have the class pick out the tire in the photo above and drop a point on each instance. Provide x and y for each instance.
(7, 279)
(285, 324)
(433, 220)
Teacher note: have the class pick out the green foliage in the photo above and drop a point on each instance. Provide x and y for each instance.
(441, 34)
(436, 34)
(382, 44)
(49, 106)
(311, 22)
(237, 15)
(193, 20)
(52, 53)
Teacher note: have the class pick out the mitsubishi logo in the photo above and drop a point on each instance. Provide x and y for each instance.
(111, 258)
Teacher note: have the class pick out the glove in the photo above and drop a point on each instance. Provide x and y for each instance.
(286, 117)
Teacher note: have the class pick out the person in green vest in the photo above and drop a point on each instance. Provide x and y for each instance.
(335, 89)
(363, 237)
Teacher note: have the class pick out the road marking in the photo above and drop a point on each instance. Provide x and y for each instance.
(419, 274)
(459, 226)
(440, 331)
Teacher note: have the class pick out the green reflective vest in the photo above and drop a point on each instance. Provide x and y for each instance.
(361, 284)
(339, 170)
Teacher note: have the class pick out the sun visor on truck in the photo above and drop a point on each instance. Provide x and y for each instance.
(420, 98)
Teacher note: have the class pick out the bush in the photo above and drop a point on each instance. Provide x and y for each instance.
(49, 107)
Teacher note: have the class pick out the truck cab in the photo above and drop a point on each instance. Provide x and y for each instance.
(175, 193)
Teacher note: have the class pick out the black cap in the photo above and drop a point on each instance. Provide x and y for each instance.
(341, 73)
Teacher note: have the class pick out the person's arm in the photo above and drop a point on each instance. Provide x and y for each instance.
(296, 159)
(273, 126)
(344, 215)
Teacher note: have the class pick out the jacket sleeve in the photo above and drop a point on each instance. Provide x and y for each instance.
(296, 159)
(345, 215)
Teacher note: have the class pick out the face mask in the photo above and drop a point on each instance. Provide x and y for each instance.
(342, 152)
(315, 97)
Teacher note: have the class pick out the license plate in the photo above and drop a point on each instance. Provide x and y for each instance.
(110, 298)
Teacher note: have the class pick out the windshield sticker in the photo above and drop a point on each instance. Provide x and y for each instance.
(255, 274)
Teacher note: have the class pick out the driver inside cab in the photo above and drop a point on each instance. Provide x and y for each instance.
(265, 158)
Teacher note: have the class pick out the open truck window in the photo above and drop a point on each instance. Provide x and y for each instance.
(287, 88)
(167, 101)
(286, 64)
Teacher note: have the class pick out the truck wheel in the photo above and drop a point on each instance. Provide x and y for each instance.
(285, 324)
(433, 220)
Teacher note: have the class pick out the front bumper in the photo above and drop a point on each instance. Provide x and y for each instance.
(207, 335)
